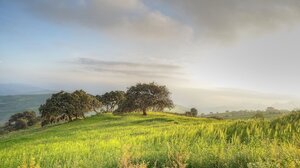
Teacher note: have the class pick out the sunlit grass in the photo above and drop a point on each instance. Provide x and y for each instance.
(158, 140)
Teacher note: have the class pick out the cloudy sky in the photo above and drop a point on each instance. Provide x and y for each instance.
(213, 54)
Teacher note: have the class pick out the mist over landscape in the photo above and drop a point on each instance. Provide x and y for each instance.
(69, 45)
(160, 83)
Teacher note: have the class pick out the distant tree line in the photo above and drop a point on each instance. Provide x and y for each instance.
(256, 114)
(66, 107)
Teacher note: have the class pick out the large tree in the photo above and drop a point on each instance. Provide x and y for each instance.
(66, 106)
(84, 103)
(60, 104)
(112, 99)
(144, 97)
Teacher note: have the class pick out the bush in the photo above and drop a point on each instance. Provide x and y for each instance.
(32, 121)
(20, 121)
(193, 112)
(258, 116)
(21, 124)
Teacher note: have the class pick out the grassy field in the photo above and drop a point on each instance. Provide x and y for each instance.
(157, 140)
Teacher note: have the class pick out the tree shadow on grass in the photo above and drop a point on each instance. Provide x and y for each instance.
(153, 120)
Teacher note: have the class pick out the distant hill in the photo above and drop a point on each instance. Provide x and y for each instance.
(21, 89)
(17, 103)
(248, 114)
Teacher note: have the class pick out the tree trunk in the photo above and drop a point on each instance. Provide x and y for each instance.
(144, 112)
(70, 118)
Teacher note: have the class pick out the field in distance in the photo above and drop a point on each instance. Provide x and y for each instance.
(156, 140)
(12, 104)
(248, 114)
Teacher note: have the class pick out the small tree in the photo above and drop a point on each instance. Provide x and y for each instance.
(21, 121)
(194, 111)
(144, 97)
(259, 116)
(21, 124)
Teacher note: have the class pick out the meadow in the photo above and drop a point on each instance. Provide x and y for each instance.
(156, 140)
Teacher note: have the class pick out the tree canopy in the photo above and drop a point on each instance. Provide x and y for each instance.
(144, 97)
(66, 106)
(193, 112)
(111, 100)
(21, 121)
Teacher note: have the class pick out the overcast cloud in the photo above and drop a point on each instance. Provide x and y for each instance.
(125, 18)
(207, 19)
(230, 19)
(202, 44)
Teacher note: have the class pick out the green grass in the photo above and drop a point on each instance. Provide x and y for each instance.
(157, 140)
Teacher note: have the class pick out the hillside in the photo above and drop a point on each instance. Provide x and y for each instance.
(17, 103)
(247, 114)
(157, 140)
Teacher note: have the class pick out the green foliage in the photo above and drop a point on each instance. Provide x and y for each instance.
(84, 103)
(21, 121)
(112, 99)
(65, 106)
(144, 97)
(21, 124)
(158, 140)
(193, 112)
(259, 116)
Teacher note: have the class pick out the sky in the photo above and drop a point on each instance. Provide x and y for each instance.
(212, 54)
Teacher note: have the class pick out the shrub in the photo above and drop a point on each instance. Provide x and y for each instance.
(21, 124)
(193, 112)
(258, 116)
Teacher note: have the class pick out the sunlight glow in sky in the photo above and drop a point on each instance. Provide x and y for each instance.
(230, 51)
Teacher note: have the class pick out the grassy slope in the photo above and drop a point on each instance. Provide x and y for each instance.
(159, 139)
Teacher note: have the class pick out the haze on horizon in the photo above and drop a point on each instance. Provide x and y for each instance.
(212, 54)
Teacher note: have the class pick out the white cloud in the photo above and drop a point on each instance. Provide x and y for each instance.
(129, 19)
(133, 70)
(230, 19)
(204, 19)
